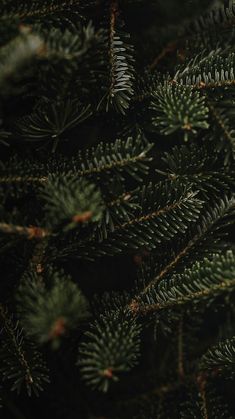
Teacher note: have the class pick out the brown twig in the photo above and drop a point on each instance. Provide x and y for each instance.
(170, 47)
(181, 372)
(30, 233)
(202, 382)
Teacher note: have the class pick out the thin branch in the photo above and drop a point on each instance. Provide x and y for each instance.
(172, 264)
(213, 85)
(84, 172)
(38, 257)
(170, 47)
(45, 10)
(136, 307)
(30, 233)
(23, 179)
(181, 372)
(201, 381)
(220, 123)
(113, 17)
(149, 216)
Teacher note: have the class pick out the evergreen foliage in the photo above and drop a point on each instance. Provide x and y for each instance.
(112, 347)
(117, 209)
(178, 107)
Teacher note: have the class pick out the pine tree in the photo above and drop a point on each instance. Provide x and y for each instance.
(117, 209)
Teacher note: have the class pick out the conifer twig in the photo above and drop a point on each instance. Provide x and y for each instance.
(170, 47)
(31, 232)
(136, 307)
(46, 9)
(21, 356)
(181, 372)
(201, 381)
(220, 123)
(22, 179)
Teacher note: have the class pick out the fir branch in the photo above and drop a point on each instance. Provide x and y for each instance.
(210, 227)
(70, 46)
(51, 119)
(48, 312)
(228, 133)
(117, 211)
(23, 365)
(191, 163)
(221, 124)
(70, 202)
(208, 233)
(167, 209)
(176, 107)
(123, 156)
(205, 280)
(214, 71)
(150, 193)
(219, 17)
(111, 348)
(145, 86)
(220, 359)
(10, 332)
(35, 10)
(118, 158)
(121, 71)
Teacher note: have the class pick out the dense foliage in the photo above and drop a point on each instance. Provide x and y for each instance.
(117, 176)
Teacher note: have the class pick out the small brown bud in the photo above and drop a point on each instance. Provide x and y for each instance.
(58, 328)
(83, 217)
(108, 373)
(37, 233)
(138, 259)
